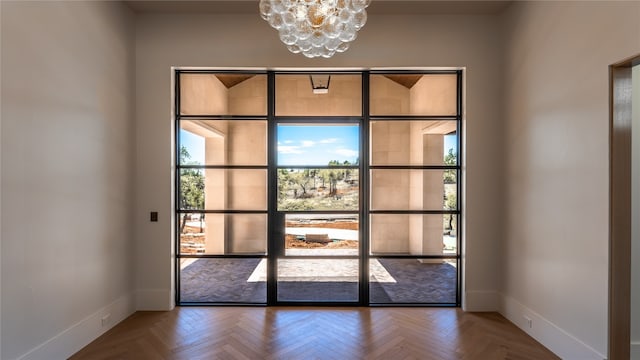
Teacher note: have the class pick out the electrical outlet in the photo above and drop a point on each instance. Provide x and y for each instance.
(105, 319)
(529, 321)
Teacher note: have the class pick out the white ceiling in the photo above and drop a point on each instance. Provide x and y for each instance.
(376, 7)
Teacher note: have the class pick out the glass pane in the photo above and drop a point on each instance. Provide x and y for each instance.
(318, 145)
(321, 234)
(223, 94)
(318, 189)
(414, 94)
(191, 196)
(223, 142)
(414, 142)
(398, 189)
(223, 280)
(412, 281)
(223, 234)
(295, 95)
(414, 234)
(318, 280)
(223, 189)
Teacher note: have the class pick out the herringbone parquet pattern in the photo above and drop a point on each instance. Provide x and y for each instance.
(314, 333)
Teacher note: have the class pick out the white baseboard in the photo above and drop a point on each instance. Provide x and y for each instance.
(74, 338)
(635, 351)
(563, 344)
(154, 300)
(480, 301)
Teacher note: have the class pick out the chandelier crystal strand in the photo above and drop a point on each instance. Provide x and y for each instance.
(315, 27)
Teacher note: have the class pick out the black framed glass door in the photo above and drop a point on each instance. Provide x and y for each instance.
(312, 188)
(317, 212)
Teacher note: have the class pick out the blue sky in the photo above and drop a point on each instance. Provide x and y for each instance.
(194, 144)
(450, 143)
(317, 145)
(306, 145)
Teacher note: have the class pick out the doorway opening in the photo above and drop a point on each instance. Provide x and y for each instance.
(620, 208)
(292, 196)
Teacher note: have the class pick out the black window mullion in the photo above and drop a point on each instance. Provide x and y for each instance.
(272, 183)
(416, 212)
(224, 167)
(221, 117)
(365, 191)
(416, 72)
(176, 185)
(393, 118)
(459, 188)
(414, 167)
(321, 167)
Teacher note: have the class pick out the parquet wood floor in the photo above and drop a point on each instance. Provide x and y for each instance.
(314, 333)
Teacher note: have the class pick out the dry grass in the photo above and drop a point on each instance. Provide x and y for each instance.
(291, 242)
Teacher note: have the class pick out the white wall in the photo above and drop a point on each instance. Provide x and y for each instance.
(556, 154)
(244, 40)
(67, 154)
(635, 213)
(67, 183)
(0, 185)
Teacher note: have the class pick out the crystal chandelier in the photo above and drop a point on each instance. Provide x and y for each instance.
(315, 27)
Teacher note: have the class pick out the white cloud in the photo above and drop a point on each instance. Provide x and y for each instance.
(288, 141)
(328, 141)
(282, 149)
(307, 143)
(346, 152)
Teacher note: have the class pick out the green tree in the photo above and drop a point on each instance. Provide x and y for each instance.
(313, 173)
(283, 182)
(191, 187)
(450, 175)
(301, 179)
(333, 182)
(451, 203)
(451, 158)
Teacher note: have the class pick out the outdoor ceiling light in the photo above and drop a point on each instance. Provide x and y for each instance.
(316, 27)
(320, 83)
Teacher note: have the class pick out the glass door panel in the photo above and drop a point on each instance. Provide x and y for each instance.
(318, 202)
(413, 234)
(414, 94)
(223, 280)
(318, 280)
(321, 235)
(319, 94)
(318, 189)
(224, 93)
(413, 281)
(223, 142)
(414, 143)
(413, 214)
